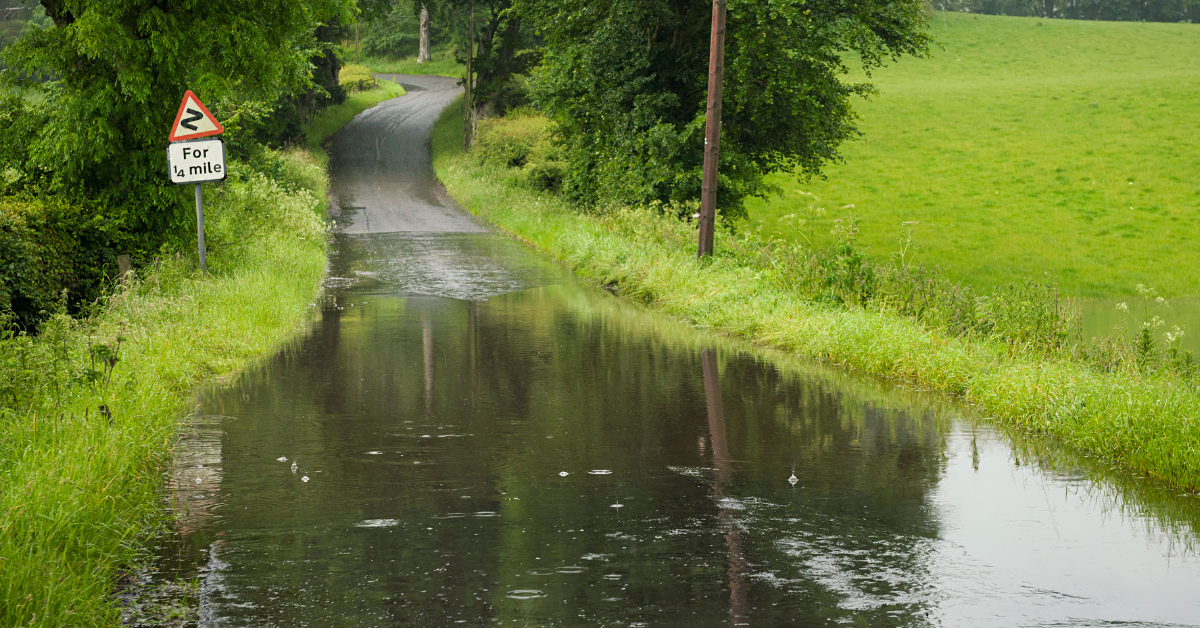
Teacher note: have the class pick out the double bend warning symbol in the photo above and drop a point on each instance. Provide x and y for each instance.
(194, 120)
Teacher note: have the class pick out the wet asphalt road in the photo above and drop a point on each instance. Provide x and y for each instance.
(382, 181)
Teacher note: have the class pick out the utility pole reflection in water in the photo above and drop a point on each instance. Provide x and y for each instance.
(472, 323)
(739, 604)
(427, 347)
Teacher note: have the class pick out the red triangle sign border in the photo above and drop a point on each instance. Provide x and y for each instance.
(179, 116)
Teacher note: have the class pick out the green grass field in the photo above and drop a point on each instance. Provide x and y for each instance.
(1026, 148)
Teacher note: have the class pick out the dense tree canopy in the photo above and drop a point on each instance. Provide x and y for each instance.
(625, 82)
(503, 47)
(90, 100)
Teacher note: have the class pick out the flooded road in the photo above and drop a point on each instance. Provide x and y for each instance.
(468, 436)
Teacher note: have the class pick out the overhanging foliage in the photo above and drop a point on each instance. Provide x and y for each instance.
(90, 100)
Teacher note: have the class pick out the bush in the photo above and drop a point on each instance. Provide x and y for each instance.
(50, 246)
(521, 141)
(356, 78)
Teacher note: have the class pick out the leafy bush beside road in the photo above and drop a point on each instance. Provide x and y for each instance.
(48, 246)
(356, 78)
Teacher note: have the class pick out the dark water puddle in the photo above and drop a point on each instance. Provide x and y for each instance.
(469, 437)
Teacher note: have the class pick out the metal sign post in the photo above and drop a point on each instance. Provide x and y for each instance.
(191, 159)
(200, 228)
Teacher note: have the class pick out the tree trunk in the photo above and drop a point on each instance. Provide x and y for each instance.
(423, 50)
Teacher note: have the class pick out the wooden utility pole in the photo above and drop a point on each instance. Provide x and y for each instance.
(356, 41)
(468, 110)
(712, 130)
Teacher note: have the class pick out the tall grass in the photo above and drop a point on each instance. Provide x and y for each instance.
(1144, 420)
(1059, 150)
(91, 406)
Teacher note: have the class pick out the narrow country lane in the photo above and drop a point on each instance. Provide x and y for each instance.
(382, 181)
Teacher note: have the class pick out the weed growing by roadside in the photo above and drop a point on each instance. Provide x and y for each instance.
(1144, 353)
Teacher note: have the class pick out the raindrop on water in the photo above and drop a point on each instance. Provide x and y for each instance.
(281, 459)
(563, 474)
(525, 594)
(304, 479)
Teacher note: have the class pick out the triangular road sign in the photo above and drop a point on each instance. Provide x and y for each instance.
(194, 120)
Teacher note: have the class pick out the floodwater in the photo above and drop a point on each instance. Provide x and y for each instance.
(468, 436)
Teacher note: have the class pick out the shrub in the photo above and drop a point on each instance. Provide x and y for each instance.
(51, 246)
(520, 141)
(508, 141)
(356, 78)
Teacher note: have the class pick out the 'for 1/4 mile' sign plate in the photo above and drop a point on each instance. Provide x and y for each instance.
(198, 161)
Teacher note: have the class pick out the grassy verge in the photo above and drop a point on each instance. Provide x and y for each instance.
(442, 63)
(90, 407)
(1025, 148)
(1145, 421)
(335, 117)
